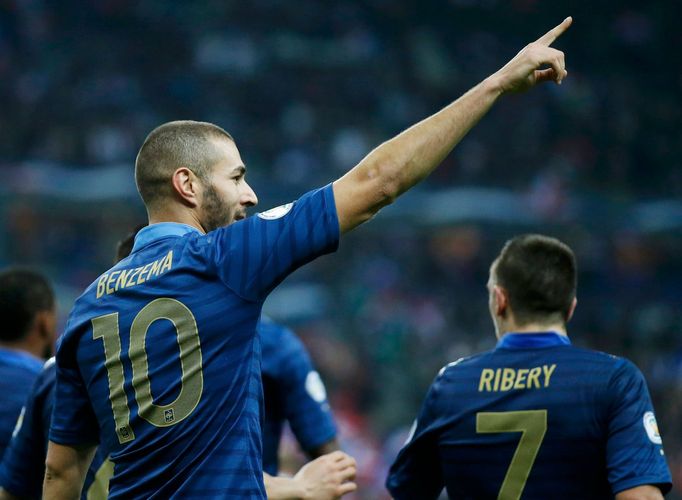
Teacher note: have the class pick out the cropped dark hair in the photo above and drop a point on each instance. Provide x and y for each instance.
(23, 294)
(540, 276)
(125, 245)
(183, 143)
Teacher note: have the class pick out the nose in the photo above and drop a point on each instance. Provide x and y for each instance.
(249, 197)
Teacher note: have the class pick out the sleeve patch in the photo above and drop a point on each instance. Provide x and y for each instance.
(276, 213)
(651, 428)
(315, 387)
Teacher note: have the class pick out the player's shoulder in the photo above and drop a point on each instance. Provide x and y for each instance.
(595, 357)
(276, 334)
(465, 363)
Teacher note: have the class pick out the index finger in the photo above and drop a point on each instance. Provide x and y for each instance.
(549, 37)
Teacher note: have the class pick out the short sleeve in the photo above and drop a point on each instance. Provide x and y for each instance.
(23, 465)
(254, 255)
(416, 472)
(306, 406)
(73, 419)
(634, 451)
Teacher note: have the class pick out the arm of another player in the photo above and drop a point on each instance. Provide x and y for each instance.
(325, 478)
(400, 163)
(305, 401)
(65, 470)
(416, 471)
(635, 460)
(646, 492)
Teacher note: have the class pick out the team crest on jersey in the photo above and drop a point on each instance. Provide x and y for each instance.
(276, 213)
(651, 428)
(169, 415)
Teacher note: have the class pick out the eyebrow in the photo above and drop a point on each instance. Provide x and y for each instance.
(241, 169)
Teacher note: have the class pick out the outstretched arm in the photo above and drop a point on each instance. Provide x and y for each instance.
(400, 163)
(325, 478)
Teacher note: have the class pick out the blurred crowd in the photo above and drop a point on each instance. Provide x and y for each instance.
(307, 88)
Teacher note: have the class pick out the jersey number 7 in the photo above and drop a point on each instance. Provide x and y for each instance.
(533, 425)
(192, 381)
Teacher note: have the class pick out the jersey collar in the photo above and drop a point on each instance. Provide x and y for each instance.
(153, 232)
(537, 340)
(21, 358)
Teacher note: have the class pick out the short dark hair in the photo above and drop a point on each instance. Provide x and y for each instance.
(540, 276)
(125, 244)
(23, 294)
(176, 144)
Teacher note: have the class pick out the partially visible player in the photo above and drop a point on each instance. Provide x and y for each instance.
(160, 357)
(293, 392)
(23, 466)
(27, 335)
(536, 417)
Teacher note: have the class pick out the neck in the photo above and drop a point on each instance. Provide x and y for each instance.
(178, 216)
(511, 327)
(25, 345)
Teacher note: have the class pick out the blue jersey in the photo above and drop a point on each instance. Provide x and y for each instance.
(18, 371)
(160, 357)
(293, 392)
(23, 466)
(534, 418)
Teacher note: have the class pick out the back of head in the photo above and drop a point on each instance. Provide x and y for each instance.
(540, 276)
(170, 146)
(23, 294)
(125, 245)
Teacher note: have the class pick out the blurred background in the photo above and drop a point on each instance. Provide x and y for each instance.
(307, 88)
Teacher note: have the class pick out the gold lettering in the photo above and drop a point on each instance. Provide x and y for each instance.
(521, 374)
(101, 284)
(156, 267)
(496, 384)
(121, 281)
(548, 373)
(533, 377)
(132, 276)
(110, 282)
(167, 263)
(486, 376)
(507, 379)
(140, 278)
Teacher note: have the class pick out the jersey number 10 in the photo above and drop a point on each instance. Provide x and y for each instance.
(192, 381)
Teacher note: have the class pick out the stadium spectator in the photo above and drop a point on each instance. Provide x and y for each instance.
(234, 268)
(586, 420)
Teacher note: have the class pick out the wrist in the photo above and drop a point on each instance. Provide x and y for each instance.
(494, 85)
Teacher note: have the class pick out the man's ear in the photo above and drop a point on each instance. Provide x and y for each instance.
(572, 309)
(501, 301)
(186, 186)
(45, 326)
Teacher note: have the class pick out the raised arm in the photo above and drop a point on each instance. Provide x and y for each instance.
(400, 163)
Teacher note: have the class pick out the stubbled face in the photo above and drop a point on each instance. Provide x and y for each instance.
(226, 194)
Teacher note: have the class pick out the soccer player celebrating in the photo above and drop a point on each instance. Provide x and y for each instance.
(535, 417)
(159, 359)
(29, 323)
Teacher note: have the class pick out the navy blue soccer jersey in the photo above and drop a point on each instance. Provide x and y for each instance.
(160, 358)
(23, 466)
(18, 371)
(293, 393)
(534, 418)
